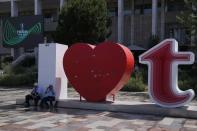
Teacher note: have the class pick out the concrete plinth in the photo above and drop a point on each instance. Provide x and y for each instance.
(129, 107)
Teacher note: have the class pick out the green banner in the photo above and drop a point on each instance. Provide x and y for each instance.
(24, 31)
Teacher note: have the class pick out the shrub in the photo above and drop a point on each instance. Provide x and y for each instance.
(28, 62)
(187, 77)
(18, 80)
(141, 73)
(188, 83)
(18, 76)
(18, 70)
(134, 85)
(8, 59)
(8, 69)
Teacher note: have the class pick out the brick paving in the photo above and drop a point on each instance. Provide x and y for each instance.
(18, 118)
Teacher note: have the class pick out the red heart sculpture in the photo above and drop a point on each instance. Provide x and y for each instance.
(98, 71)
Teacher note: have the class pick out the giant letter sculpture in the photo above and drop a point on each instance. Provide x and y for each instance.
(163, 61)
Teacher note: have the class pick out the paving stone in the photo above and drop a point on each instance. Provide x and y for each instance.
(3, 120)
(191, 126)
(166, 121)
(104, 123)
(24, 122)
(18, 118)
(127, 130)
(97, 130)
(3, 124)
(138, 122)
(40, 125)
(63, 121)
(177, 123)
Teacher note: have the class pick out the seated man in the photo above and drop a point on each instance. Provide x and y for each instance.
(35, 95)
(49, 95)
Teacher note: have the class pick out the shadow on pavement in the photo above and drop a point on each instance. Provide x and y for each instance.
(79, 113)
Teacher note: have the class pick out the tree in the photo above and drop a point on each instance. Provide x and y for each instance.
(83, 21)
(189, 18)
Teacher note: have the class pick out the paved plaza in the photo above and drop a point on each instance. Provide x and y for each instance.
(18, 118)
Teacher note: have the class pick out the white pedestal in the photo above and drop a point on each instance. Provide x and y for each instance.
(50, 68)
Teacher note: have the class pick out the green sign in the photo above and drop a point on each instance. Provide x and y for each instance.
(23, 31)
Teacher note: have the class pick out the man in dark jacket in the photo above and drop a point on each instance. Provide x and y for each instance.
(36, 95)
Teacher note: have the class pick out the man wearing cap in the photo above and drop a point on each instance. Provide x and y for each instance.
(49, 95)
(36, 95)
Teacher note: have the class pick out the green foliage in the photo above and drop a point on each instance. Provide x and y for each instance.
(83, 21)
(28, 62)
(141, 74)
(7, 59)
(18, 79)
(153, 40)
(18, 76)
(187, 78)
(188, 84)
(134, 85)
(189, 17)
(7, 69)
(18, 69)
(138, 80)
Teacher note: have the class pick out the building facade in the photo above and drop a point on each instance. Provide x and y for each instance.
(133, 21)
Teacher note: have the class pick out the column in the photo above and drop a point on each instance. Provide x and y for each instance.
(37, 7)
(21, 50)
(14, 13)
(132, 21)
(154, 17)
(12, 52)
(61, 4)
(14, 8)
(120, 20)
(37, 11)
(162, 19)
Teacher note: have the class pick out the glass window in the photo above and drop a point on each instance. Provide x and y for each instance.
(112, 6)
(175, 5)
(147, 9)
(178, 32)
(50, 15)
